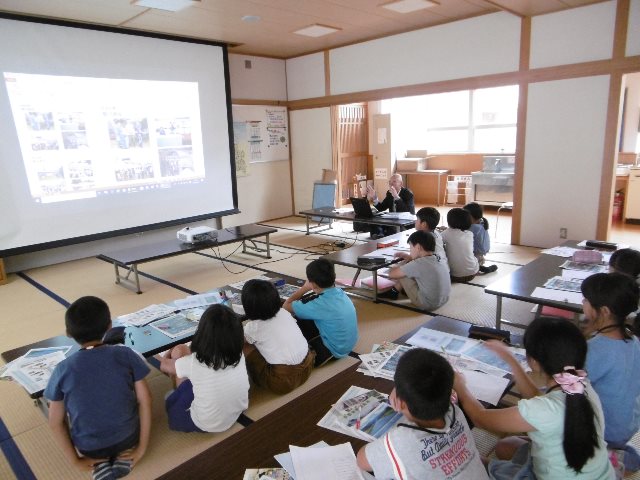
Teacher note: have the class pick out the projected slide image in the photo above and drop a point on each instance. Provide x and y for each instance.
(74, 131)
(84, 137)
(176, 162)
(80, 175)
(133, 167)
(44, 140)
(37, 121)
(129, 132)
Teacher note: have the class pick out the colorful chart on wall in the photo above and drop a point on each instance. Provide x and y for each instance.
(261, 134)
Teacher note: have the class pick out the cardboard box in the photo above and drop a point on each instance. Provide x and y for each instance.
(411, 164)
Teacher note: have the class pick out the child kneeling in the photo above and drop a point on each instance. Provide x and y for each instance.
(435, 442)
(278, 356)
(212, 386)
(102, 391)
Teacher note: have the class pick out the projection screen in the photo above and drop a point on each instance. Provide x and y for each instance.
(107, 131)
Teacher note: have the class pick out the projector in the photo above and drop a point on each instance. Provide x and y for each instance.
(197, 234)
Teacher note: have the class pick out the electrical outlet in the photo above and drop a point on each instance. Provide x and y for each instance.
(563, 233)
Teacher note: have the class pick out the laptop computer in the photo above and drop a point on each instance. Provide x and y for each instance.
(362, 209)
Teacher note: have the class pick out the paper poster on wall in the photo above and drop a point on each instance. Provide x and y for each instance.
(261, 133)
(380, 174)
(382, 136)
(240, 149)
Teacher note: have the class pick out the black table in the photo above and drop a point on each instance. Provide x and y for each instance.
(349, 257)
(293, 423)
(145, 340)
(398, 221)
(520, 284)
(147, 251)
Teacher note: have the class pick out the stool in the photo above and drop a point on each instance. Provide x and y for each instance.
(504, 206)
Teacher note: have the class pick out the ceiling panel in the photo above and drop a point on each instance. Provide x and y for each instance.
(220, 20)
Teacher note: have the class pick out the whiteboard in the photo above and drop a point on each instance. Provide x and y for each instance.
(260, 133)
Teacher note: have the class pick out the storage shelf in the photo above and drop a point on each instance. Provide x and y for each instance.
(458, 189)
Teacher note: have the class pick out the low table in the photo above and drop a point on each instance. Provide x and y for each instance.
(145, 340)
(295, 423)
(520, 284)
(395, 220)
(349, 258)
(129, 258)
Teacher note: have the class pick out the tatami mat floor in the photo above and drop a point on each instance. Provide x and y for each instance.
(27, 314)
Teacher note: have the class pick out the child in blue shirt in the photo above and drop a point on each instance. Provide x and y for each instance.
(613, 358)
(481, 240)
(325, 314)
(101, 388)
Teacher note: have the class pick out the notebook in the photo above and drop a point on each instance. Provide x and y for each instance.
(362, 209)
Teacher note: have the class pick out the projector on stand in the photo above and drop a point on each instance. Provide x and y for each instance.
(197, 234)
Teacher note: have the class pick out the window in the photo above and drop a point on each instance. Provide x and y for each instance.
(481, 121)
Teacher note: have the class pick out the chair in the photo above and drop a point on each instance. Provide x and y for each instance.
(504, 206)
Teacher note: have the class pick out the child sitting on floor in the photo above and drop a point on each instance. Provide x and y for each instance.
(613, 359)
(565, 425)
(325, 314)
(99, 402)
(435, 441)
(423, 276)
(427, 220)
(481, 240)
(458, 243)
(277, 354)
(212, 386)
(626, 260)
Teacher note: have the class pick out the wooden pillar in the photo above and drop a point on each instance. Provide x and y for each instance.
(3, 275)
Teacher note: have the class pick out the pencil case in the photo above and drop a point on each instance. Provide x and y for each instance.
(587, 256)
(488, 333)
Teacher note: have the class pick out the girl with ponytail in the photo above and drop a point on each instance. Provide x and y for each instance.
(564, 425)
(613, 358)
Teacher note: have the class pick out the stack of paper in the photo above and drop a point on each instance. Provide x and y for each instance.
(35, 367)
(382, 363)
(305, 463)
(379, 354)
(146, 315)
(361, 413)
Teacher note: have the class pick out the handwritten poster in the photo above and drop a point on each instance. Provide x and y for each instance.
(261, 134)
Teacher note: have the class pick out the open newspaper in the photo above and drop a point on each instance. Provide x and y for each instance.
(361, 413)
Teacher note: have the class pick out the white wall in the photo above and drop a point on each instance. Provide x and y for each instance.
(265, 80)
(633, 29)
(563, 159)
(310, 151)
(264, 194)
(572, 36)
(632, 112)
(477, 46)
(305, 76)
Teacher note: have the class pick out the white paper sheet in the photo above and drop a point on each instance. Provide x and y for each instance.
(436, 340)
(487, 388)
(557, 295)
(338, 461)
(285, 460)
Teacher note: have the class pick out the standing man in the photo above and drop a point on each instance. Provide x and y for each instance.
(397, 199)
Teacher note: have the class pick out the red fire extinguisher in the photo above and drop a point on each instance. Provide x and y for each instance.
(618, 202)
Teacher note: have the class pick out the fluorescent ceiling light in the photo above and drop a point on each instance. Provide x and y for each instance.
(169, 5)
(408, 6)
(250, 18)
(316, 30)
